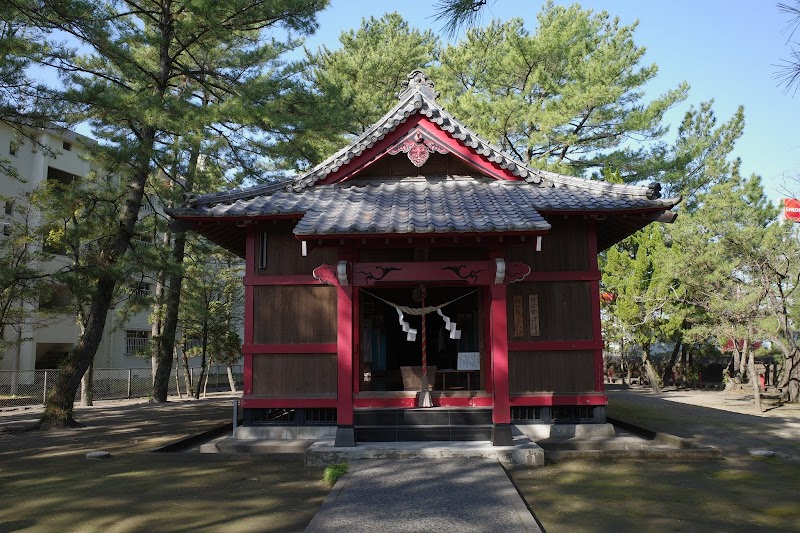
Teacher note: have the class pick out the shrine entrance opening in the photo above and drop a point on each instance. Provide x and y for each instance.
(390, 361)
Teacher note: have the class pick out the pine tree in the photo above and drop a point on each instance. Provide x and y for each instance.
(127, 78)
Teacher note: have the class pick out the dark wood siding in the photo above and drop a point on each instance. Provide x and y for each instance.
(408, 254)
(294, 314)
(565, 311)
(399, 166)
(564, 248)
(294, 375)
(551, 371)
(284, 255)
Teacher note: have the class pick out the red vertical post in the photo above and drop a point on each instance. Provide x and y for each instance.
(345, 433)
(501, 413)
(249, 290)
(594, 294)
(356, 342)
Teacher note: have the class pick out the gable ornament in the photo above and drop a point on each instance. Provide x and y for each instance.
(418, 147)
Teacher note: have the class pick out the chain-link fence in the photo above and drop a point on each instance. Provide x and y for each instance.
(30, 387)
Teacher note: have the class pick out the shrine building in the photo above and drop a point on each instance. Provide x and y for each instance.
(422, 284)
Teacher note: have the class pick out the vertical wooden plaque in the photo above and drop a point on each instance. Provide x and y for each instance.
(533, 310)
(519, 321)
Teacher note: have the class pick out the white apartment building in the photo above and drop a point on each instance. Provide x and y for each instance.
(44, 346)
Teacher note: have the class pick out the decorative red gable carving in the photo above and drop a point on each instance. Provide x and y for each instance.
(418, 148)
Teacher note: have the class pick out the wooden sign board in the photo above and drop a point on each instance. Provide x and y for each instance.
(518, 320)
(533, 310)
(469, 361)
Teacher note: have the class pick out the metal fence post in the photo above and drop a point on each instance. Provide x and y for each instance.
(44, 392)
(130, 375)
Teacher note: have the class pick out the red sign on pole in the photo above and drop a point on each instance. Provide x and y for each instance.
(791, 209)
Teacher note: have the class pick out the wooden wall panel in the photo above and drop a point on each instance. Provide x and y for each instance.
(284, 255)
(294, 375)
(399, 166)
(564, 248)
(434, 253)
(551, 371)
(565, 311)
(287, 314)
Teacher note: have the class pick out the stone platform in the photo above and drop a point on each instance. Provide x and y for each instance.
(524, 452)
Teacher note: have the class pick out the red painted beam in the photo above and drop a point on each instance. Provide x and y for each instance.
(524, 346)
(564, 276)
(281, 280)
(469, 272)
(499, 348)
(256, 403)
(545, 400)
(411, 402)
(268, 349)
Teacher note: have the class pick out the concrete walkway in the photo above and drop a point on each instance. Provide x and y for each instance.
(424, 495)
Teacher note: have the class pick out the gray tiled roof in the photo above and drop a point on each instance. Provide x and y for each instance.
(419, 96)
(417, 205)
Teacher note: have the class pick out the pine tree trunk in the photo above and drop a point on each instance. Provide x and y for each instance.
(651, 372)
(202, 364)
(667, 376)
(187, 376)
(87, 384)
(751, 370)
(174, 284)
(790, 378)
(231, 381)
(59, 407)
(155, 332)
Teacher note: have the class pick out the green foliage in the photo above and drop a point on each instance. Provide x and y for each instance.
(21, 282)
(566, 97)
(333, 472)
(356, 82)
(211, 303)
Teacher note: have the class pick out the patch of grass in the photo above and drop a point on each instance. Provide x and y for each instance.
(333, 473)
(745, 494)
(783, 511)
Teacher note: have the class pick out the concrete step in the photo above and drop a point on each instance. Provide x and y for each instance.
(389, 433)
(523, 452)
(435, 416)
(278, 449)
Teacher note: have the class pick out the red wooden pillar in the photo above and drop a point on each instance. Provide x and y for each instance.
(345, 432)
(597, 328)
(249, 311)
(501, 414)
(594, 290)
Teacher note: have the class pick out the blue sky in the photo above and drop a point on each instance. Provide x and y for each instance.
(728, 51)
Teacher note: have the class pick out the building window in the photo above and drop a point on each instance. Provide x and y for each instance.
(9, 208)
(136, 341)
(67, 146)
(262, 250)
(142, 290)
(6, 229)
(141, 238)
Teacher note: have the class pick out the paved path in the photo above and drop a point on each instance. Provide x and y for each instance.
(424, 495)
(713, 423)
